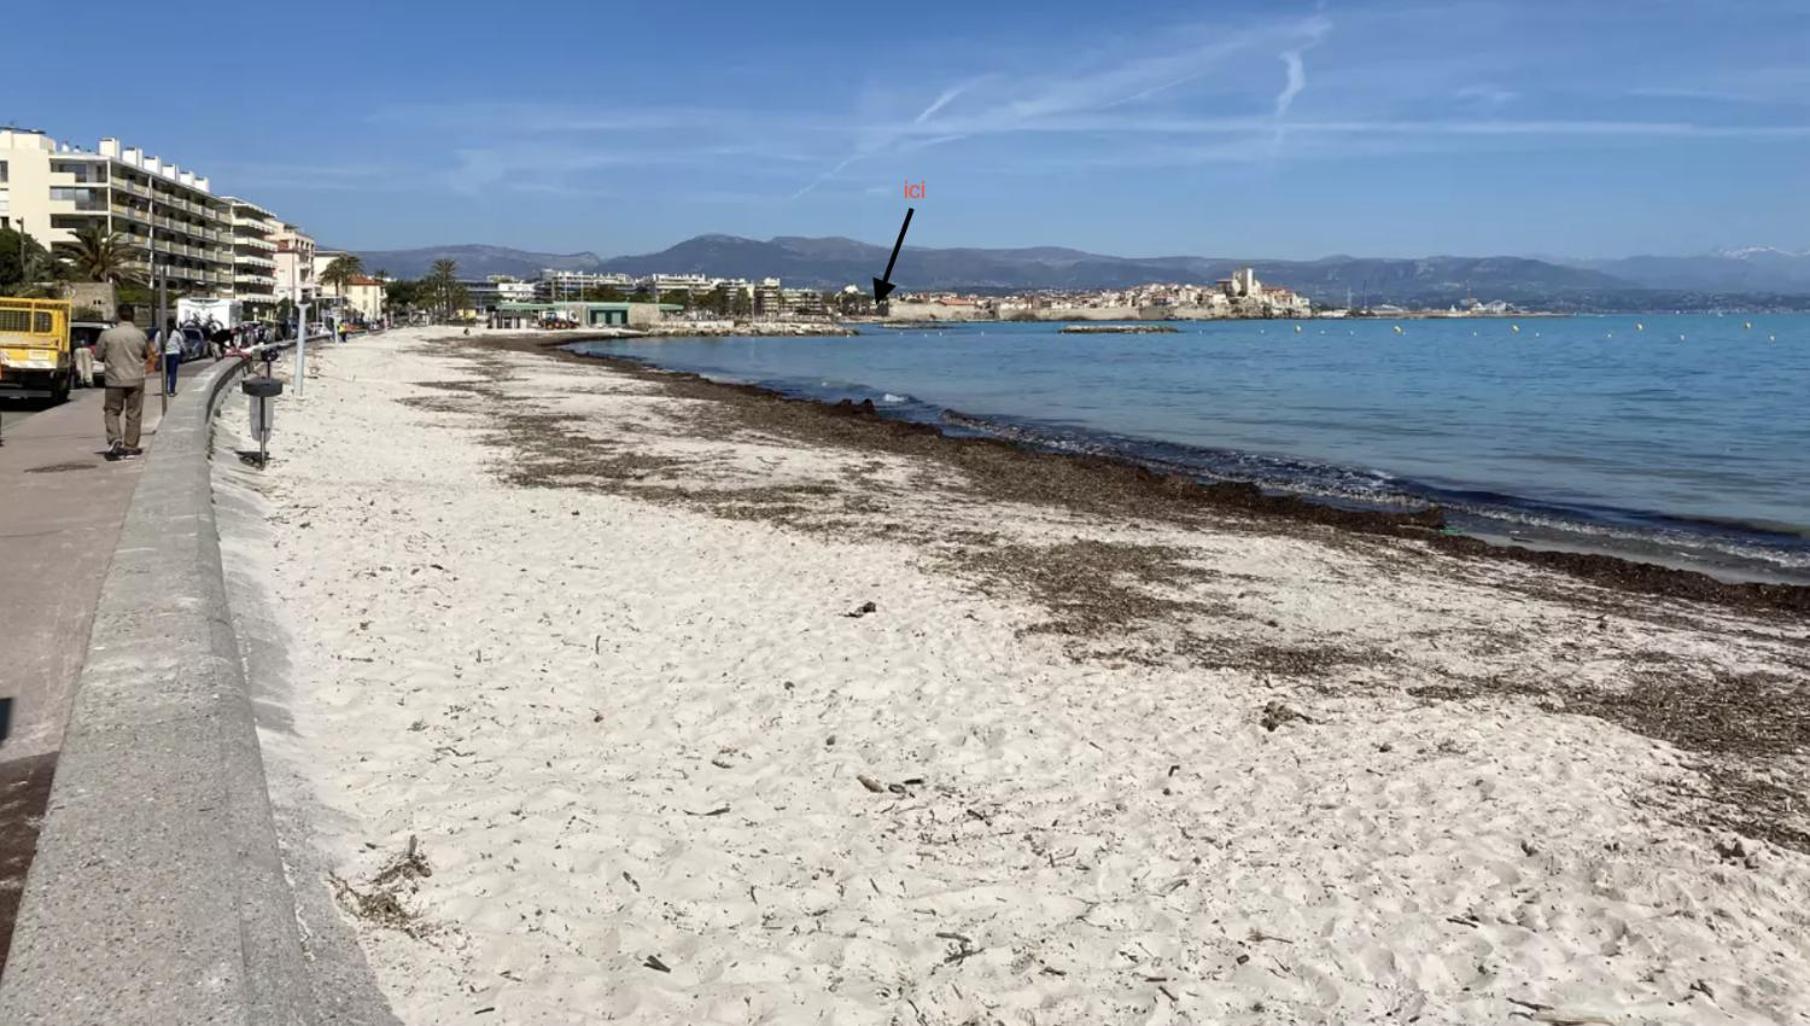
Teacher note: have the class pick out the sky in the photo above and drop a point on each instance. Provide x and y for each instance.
(1583, 128)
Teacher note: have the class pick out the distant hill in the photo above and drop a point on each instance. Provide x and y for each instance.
(1752, 269)
(837, 261)
(1732, 278)
(475, 261)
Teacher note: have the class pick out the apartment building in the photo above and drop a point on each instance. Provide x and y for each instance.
(254, 253)
(294, 278)
(556, 284)
(166, 214)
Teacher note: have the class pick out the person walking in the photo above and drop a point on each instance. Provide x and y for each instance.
(126, 356)
(172, 356)
(84, 365)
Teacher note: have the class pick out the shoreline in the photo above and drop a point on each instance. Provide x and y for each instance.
(1596, 567)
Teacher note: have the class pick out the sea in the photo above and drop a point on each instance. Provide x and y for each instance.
(1678, 439)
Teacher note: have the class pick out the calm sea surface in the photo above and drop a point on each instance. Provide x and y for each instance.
(1679, 438)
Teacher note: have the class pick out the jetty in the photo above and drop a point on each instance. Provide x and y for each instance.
(1118, 329)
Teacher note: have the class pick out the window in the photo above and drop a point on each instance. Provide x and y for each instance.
(2, 172)
(84, 199)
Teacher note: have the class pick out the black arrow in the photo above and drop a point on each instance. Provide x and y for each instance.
(883, 286)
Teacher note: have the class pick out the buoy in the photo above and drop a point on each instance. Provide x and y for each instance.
(1516, 328)
(1681, 338)
(1748, 325)
(1297, 329)
(1398, 329)
(1639, 326)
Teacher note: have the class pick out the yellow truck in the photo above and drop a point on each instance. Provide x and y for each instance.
(35, 358)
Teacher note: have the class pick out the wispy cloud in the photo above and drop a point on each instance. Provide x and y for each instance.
(1296, 81)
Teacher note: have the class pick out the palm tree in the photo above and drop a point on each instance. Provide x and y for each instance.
(100, 255)
(341, 271)
(443, 285)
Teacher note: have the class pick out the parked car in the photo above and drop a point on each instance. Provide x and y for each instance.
(194, 342)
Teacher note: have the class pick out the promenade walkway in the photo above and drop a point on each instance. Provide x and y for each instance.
(61, 509)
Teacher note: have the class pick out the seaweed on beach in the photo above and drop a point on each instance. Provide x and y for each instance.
(1089, 588)
(1007, 471)
(1740, 726)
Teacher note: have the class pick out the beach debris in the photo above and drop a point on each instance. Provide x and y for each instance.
(720, 763)
(1275, 714)
(1735, 848)
(381, 903)
(706, 815)
(870, 783)
(961, 949)
(410, 865)
(1529, 848)
(653, 962)
(862, 610)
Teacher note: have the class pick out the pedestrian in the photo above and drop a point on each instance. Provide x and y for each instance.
(84, 365)
(126, 357)
(172, 356)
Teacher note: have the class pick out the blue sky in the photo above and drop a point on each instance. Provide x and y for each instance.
(1577, 128)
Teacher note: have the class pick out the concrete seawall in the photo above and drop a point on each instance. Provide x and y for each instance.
(158, 894)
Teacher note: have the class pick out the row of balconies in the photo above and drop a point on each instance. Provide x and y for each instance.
(188, 274)
(166, 198)
(144, 216)
(254, 260)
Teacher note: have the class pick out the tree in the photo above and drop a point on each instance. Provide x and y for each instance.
(442, 288)
(101, 255)
(341, 271)
(402, 295)
(25, 265)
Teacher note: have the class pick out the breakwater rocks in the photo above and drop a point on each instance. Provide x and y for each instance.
(1118, 329)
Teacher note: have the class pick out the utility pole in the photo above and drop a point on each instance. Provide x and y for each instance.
(301, 347)
(163, 321)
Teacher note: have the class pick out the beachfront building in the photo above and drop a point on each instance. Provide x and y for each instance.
(254, 255)
(769, 298)
(294, 278)
(488, 292)
(362, 297)
(166, 214)
(556, 284)
(580, 314)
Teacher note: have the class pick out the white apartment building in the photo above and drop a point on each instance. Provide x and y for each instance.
(293, 277)
(167, 214)
(254, 252)
(486, 293)
(555, 285)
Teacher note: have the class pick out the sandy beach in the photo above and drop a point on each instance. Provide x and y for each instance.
(613, 695)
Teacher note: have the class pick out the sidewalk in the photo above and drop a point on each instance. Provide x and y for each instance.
(60, 519)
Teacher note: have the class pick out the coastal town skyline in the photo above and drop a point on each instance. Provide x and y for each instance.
(1382, 129)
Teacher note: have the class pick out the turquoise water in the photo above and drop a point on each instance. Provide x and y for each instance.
(1690, 438)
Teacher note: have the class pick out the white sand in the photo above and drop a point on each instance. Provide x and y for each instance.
(622, 730)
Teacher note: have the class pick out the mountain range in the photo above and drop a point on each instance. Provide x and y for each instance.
(1736, 277)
